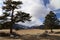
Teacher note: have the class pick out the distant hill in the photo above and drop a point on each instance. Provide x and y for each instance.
(37, 27)
(18, 26)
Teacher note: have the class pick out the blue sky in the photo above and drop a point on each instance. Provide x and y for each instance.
(38, 9)
(46, 2)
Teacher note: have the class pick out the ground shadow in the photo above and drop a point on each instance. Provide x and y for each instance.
(8, 35)
(40, 37)
(57, 32)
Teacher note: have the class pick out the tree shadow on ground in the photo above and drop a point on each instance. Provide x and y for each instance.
(8, 35)
(40, 37)
(57, 32)
(50, 37)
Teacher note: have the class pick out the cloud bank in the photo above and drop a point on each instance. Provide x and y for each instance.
(55, 3)
(36, 9)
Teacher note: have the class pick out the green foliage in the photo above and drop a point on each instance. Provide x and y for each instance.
(51, 20)
(11, 5)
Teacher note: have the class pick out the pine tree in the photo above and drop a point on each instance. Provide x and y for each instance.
(51, 20)
(8, 11)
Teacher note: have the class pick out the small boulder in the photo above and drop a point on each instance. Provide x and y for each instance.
(12, 36)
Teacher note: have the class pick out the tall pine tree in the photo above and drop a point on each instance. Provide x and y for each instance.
(8, 11)
(51, 20)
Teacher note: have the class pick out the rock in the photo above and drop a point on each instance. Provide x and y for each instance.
(12, 36)
(16, 37)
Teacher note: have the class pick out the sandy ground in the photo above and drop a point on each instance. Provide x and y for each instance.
(33, 34)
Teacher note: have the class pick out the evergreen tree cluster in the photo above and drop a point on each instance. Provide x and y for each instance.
(51, 21)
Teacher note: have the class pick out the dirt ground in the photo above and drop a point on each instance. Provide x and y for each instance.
(33, 34)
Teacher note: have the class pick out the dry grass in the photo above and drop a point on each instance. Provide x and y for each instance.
(33, 34)
(30, 31)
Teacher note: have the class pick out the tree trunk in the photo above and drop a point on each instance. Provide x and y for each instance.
(11, 22)
(10, 30)
(51, 30)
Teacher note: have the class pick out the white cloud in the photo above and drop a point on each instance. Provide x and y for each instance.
(0, 11)
(33, 22)
(36, 9)
(0, 1)
(55, 3)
